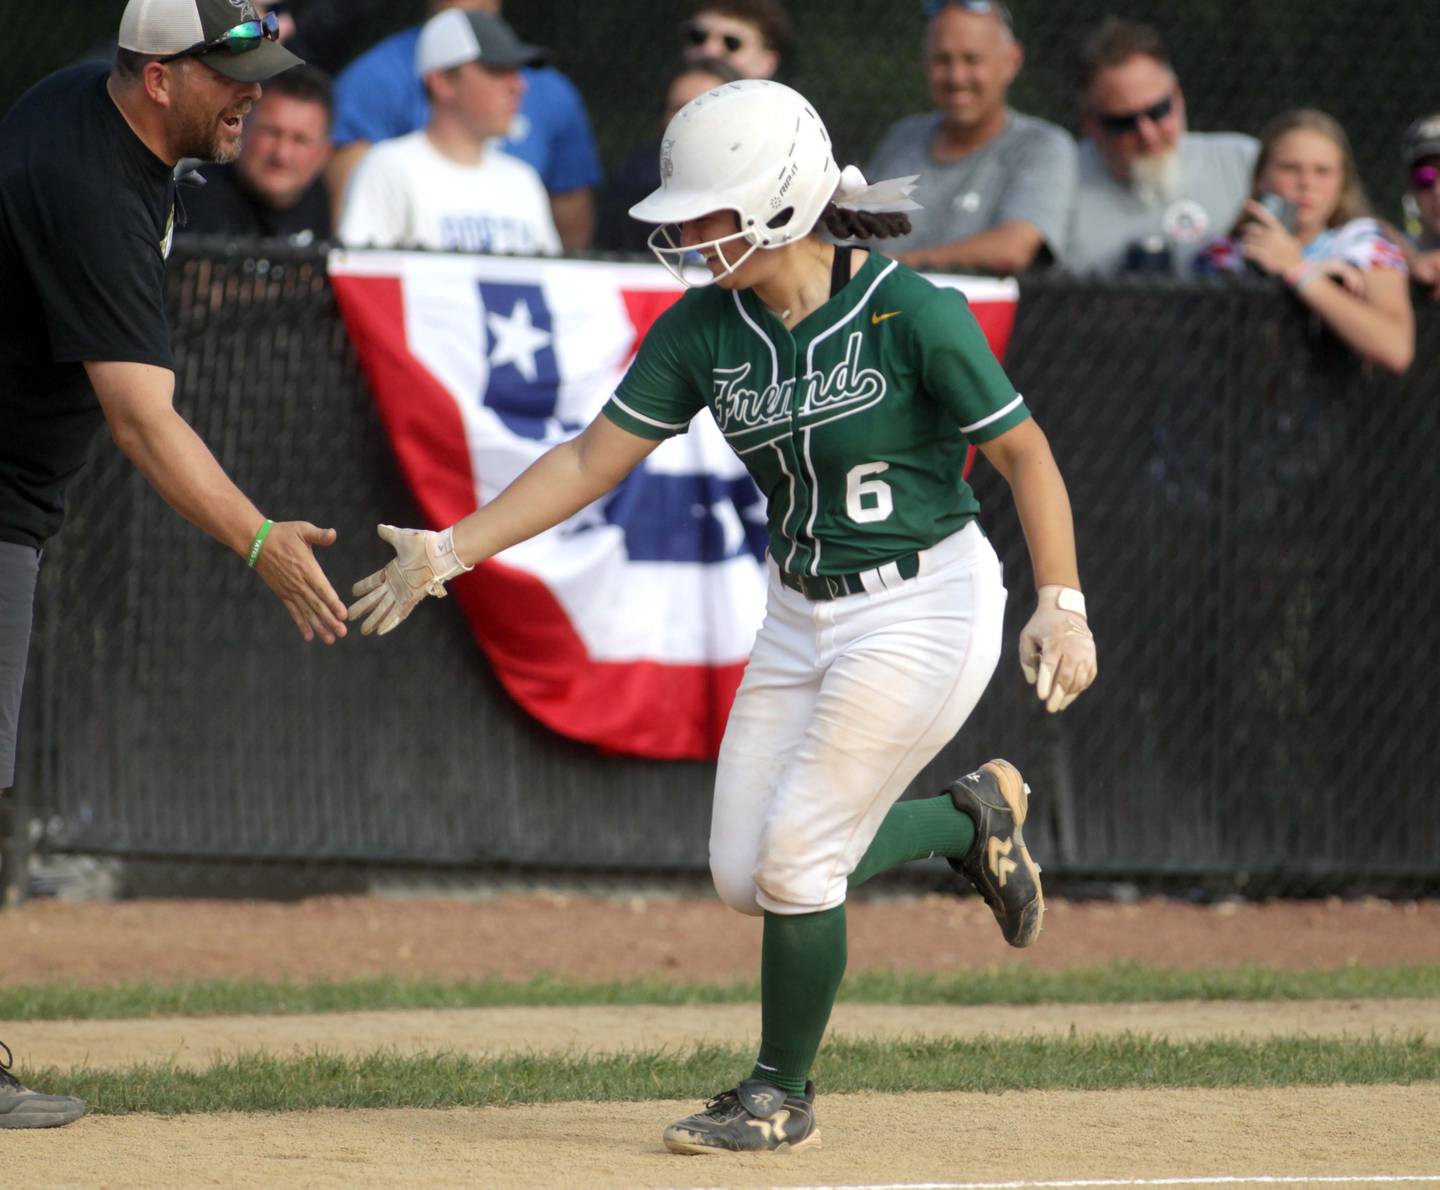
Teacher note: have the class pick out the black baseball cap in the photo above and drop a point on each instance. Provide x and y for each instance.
(219, 31)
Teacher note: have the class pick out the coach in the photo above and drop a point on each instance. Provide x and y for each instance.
(87, 212)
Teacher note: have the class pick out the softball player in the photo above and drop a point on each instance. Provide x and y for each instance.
(851, 387)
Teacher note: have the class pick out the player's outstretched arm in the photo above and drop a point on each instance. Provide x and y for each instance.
(138, 404)
(1057, 649)
(557, 485)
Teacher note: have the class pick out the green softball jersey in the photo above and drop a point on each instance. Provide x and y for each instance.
(854, 423)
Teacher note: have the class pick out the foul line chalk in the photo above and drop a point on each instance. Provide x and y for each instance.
(1086, 1183)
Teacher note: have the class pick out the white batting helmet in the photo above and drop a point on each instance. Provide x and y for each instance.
(754, 147)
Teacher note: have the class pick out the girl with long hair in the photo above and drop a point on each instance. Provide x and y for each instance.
(1330, 251)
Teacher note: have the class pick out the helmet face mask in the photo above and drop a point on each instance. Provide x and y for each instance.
(754, 147)
(685, 262)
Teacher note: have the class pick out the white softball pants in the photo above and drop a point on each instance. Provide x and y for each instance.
(843, 702)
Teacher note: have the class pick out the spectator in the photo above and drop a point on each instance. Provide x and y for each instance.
(752, 35)
(1334, 256)
(325, 33)
(87, 194)
(639, 173)
(995, 185)
(274, 187)
(1422, 203)
(379, 96)
(1149, 193)
(449, 186)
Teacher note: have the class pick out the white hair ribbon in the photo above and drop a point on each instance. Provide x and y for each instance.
(856, 194)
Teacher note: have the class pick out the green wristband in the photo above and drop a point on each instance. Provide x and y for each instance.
(255, 546)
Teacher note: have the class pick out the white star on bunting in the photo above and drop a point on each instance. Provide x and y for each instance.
(516, 339)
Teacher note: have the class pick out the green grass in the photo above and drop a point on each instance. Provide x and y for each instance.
(1102, 985)
(258, 1083)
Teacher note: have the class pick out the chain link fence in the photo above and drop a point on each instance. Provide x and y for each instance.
(1257, 517)
(1255, 520)
(1239, 62)
(1253, 510)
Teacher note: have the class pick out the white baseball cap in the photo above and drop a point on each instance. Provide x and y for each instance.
(229, 35)
(460, 35)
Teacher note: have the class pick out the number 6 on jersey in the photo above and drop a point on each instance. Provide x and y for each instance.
(858, 490)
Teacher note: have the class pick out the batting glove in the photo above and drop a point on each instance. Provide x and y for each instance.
(1057, 649)
(422, 564)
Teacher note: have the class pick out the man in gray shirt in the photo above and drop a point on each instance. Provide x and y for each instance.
(995, 185)
(1150, 194)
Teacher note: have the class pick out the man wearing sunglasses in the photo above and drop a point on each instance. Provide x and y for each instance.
(273, 188)
(995, 185)
(753, 36)
(87, 210)
(1149, 192)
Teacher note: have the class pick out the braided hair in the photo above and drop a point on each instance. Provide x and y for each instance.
(845, 224)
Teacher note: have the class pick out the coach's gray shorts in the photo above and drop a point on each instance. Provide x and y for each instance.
(19, 567)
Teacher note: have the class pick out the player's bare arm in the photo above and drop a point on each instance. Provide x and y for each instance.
(556, 486)
(1022, 455)
(138, 403)
(1057, 650)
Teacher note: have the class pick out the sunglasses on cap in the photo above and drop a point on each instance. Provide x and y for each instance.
(932, 8)
(1119, 125)
(1424, 177)
(246, 36)
(696, 34)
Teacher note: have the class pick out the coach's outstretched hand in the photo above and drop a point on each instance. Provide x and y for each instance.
(422, 564)
(1057, 649)
(289, 567)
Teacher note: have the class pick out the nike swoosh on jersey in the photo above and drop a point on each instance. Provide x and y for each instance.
(877, 319)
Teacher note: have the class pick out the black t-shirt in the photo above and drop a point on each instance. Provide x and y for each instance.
(226, 206)
(86, 213)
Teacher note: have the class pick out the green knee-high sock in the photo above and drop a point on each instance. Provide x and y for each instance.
(802, 961)
(916, 830)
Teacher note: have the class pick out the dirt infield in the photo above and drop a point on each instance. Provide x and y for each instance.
(869, 1140)
(691, 941)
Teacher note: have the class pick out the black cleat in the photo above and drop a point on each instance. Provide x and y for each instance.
(21, 1107)
(753, 1118)
(999, 865)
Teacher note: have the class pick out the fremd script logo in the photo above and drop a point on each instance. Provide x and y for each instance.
(752, 418)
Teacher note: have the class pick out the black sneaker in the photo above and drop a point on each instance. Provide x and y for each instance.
(999, 864)
(21, 1107)
(753, 1118)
